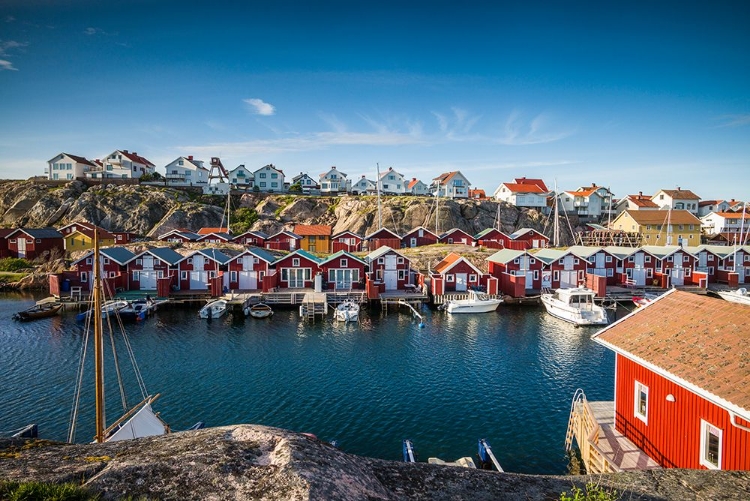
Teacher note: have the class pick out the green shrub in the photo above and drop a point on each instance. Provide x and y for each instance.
(14, 264)
(243, 219)
(39, 491)
(592, 492)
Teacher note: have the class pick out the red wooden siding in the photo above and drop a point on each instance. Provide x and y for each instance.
(672, 435)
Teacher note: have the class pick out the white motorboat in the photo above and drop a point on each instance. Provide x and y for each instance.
(260, 310)
(348, 311)
(740, 296)
(576, 306)
(113, 306)
(476, 303)
(214, 309)
(645, 299)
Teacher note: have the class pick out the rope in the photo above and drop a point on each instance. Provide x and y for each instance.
(79, 381)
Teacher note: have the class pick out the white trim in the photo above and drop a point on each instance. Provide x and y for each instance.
(639, 388)
(707, 427)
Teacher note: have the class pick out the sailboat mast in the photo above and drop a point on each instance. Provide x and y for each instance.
(98, 345)
(555, 222)
(377, 187)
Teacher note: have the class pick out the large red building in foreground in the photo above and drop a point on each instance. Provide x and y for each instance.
(682, 391)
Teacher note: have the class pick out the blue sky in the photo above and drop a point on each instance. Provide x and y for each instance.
(638, 96)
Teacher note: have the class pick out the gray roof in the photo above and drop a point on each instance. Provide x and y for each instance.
(216, 255)
(505, 255)
(121, 255)
(262, 253)
(165, 254)
(40, 232)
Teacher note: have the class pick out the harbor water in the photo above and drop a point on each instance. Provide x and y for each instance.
(506, 376)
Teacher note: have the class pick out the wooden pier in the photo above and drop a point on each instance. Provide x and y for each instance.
(313, 304)
(603, 448)
(444, 298)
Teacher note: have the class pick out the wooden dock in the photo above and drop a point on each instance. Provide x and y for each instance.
(444, 298)
(313, 305)
(603, 448)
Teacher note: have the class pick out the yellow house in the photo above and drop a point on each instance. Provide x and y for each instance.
(83, 238)
(315, 237)
(660, 227)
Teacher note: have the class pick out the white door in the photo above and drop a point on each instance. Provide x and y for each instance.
(148, 280)
(390, 278)
(599, 265)
(248, 280)
(568, 279)
(198, 280)
(21, 247)
(390, 262)
(461, 282)
(413, 242)
(148, 262)
(296, 278)
(678, 275)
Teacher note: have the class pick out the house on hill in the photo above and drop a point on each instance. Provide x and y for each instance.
(68, 167)
(364, 187)
(417, 187)
(315, 237)
(532, 195)
(418, 237)
(635, 202)
(305, 182)
(456, 236)
(333, 182)
(681, 387)
(347, 241)
(661, 227)
(31, 243)
(383, 238)
(122, 164)
(678, 199)
(392, 183)
(186, 171)
(450, 185)
(241, 178)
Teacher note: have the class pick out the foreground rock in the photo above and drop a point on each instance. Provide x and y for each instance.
(256, 462)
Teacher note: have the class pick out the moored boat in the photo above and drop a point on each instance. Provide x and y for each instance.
(576, 306)
(214, 309)
(347, 311)
(644, 299)
(260, 310)
(740, 296)
(111, 307)
(43, 310)
(476, 303)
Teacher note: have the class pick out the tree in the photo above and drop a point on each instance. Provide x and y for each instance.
(295, 188)
(243, 219)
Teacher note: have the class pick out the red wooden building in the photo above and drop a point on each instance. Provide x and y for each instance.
(283, 240)
(343, 271)
(113, 263)
(456, 236)
(681, 381)
(247, 270)
(4, 232)
(31, 243)
(149, 266)
(707, 260)
(383, 238)
(196, 270)
(347, 241)
(674, 265)
(455, 274)
(124, 237)
(635, 266)
(492, 238)
(602, 263)
(528, 238)
(418, 237)
(252, 238)
(179, 236)
(734, 267)
(390, 269)
(516, 270)
(562, 269)
(215, 238)
(297, 270)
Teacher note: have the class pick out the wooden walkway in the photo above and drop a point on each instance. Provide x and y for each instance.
(603, 448)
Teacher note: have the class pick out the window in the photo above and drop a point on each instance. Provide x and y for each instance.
(610, 272)
(647, 259)
(380, 260)
(295, 262)
(89, 260)
(190, 260)
(111, 274)
(449, 278)
(556, 275)
(284, 274)
(232, 276)
(516, 261)
(84, 276)
(136, 276)
(139, 262)
(106, 260)
(344, 263)
(402, 275)
(608, 259)
(472, 278)
(400, 260)
(710, 446)
(183, 275)
(532, 261)
(641, 402)
(12, 240)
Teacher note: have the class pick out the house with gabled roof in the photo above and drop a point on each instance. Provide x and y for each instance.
(197, 269)
(734, 265)
(254, 238)
(455, 273)
(528, 238)
(389, 269)
(297, 270)
(678, 199)
(674, 265)
(4, 232)
(681, 382)
(601, 262)
(179, 236)
(148, 267)
(315, 237)
(343, 271)
(417, 187)
(661, 227)
(305, 182)
(418, 237)
(392, 183)
(707, 258)
(207, 230)
(219, 237)
(383, 237)
(113, 264)
(562, 269)
(346, 241)
(706, 207)
(364, 186)
(82, 238)
(733, 226)
(247, 269)
(186, 171)
(635, 266)
(492, 238)
(586, 203)
(68, 167)
(478, 194)
(450, 185)
(242, 178)
(269, 179)
(333, 182)
(517, 271)
(122, 164)
(528, 195)
(31, 243)
(283, 240)
(456, 236)
(635, 202)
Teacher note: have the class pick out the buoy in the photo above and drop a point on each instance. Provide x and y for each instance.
(421, 325)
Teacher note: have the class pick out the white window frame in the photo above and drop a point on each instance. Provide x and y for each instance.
(638, 389)
(399, 260)
(472, 278)
(183, 275)
(402, 274)
(556, 276)
(449, 278)
(706, 428)
(344, 263)
(136, 276)
(84, 276)
(607, 259)
(295, 262)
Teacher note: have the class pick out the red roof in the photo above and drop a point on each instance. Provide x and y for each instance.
(135, 157)
(305, 230)
(524, 188)
(530, 181)
(412, 183)
(642, 201)
(477, 194)
(208, 231)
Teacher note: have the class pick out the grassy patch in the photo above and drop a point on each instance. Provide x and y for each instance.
(11, 277)
(17, 491)
(13, 264)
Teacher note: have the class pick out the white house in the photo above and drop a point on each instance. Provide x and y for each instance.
(122, 164)
(417, 187)
(678, 199)
(186, 171)
(306, 183)
(334, 181)
(364, 186)
(728, 224)
(706, 207)
(269, 179)
(68, 167)
(392, 183)
(450, 185)
(587, 203)
(529, 195)
(242, 177)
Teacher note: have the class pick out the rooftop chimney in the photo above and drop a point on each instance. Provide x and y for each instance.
(678, 188)
(640, 194)
(190, 157)
(593, 185)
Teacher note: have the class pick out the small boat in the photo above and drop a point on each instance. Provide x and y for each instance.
(347, 311)
(464, 462)
(113, 306)
(260, 310)
(476, 303)
(644, 299)
(136, 310)
(42, 310)
(576, 306)
(740, 296)
(214, 309)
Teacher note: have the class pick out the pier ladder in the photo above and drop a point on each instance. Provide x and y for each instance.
(574, 421)
(486, 455)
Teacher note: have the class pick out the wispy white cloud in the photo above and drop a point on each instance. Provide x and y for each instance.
(91, 31)
(458, 125)
(9, 19)
(333, 121)
(260, 107)
(7, 65)
(538, 130)
(733, 120)
(7, 45)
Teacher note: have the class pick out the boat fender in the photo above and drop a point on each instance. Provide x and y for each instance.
(421, 325)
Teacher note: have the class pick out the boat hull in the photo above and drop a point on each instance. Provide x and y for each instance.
(595, 316)
(486, 306)
(735, 296)
(346, 312)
